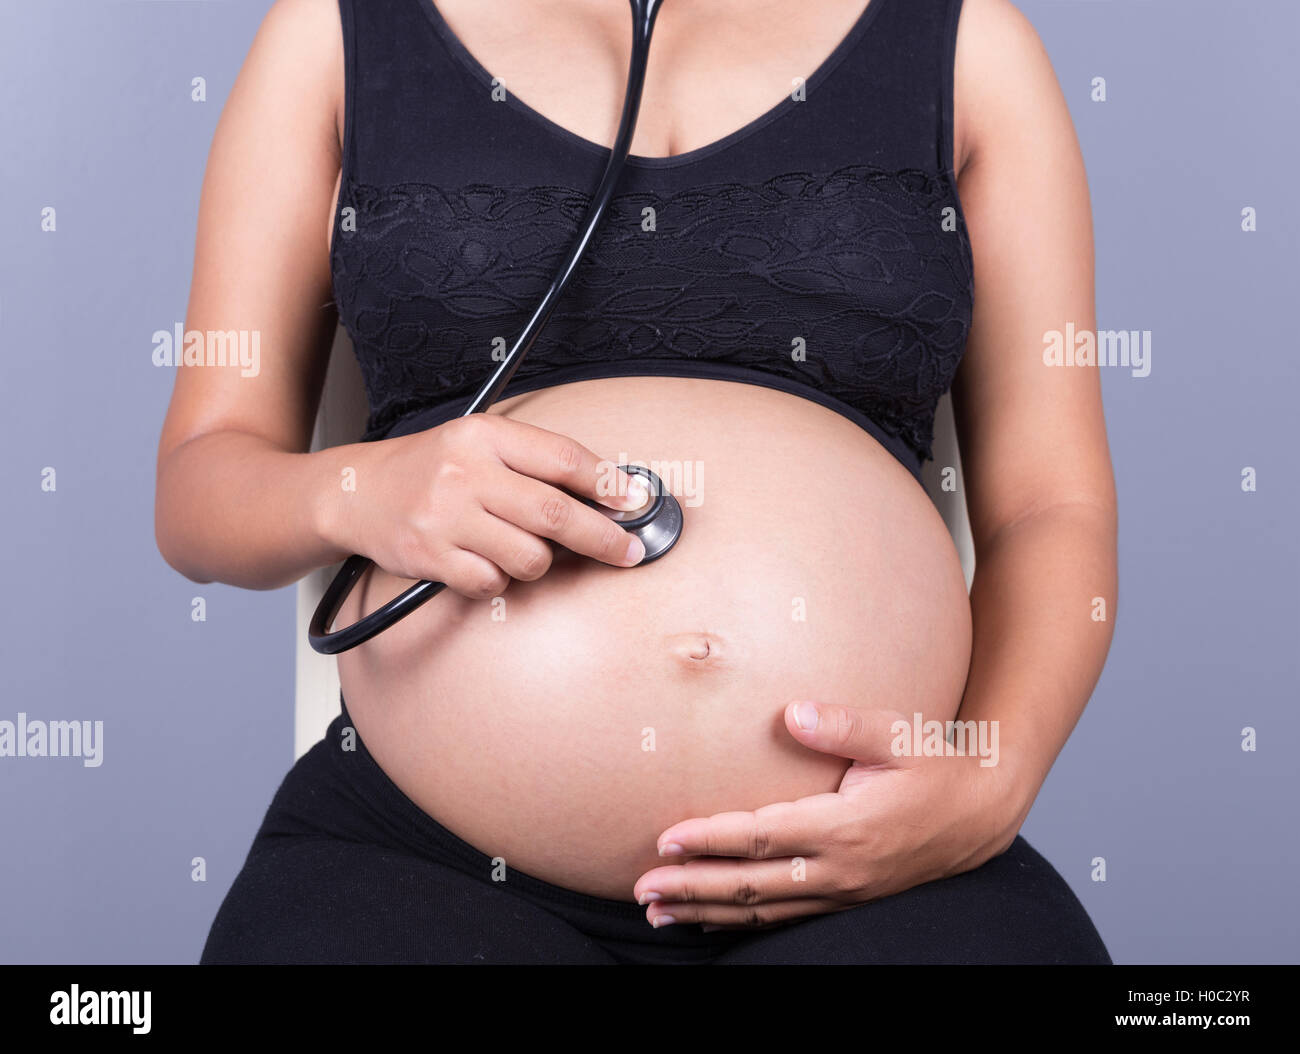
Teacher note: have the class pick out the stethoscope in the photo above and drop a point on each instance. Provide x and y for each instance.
(658, 523)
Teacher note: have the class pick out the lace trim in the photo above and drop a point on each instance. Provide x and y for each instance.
(859, 265)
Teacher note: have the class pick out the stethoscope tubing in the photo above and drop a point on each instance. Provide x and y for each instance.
(318, 632)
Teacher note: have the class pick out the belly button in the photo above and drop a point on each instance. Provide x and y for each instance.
(695, 646)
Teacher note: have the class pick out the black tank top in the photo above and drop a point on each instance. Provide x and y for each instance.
(819, 250)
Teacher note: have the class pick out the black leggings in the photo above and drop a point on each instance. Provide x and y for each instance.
(346, 868)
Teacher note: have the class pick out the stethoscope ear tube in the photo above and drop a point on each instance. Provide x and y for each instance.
(318, 632)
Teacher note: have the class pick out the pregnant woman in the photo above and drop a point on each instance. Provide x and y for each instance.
(566, 757)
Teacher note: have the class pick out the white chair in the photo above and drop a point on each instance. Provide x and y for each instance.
(341, 419)
(951, 504)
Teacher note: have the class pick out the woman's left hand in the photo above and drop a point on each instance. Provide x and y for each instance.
(894, 823)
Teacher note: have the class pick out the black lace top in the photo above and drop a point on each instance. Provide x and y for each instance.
(820, 250)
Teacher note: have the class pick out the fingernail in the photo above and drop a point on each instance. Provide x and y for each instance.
(649, 897)
(662, 920)
(638, 493)
(671, 849)
(635, 551)
(805, 716)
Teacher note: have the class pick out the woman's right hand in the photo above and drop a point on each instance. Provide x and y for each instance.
(475, 502)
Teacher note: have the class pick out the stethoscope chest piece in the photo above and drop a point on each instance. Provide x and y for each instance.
(658, 523)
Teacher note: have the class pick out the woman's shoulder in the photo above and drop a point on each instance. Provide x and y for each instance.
(295, 66)
(1001, 63)
(302, 27)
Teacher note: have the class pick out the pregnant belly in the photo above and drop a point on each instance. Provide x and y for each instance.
(566, 724)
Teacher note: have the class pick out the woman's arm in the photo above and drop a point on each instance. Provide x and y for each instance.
(235, 500)
(472, 503)
(1039, 488)
(1042, 507)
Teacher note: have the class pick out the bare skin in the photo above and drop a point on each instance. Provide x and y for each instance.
(240, 500)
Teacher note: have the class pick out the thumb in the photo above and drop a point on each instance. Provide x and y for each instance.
(845, 731)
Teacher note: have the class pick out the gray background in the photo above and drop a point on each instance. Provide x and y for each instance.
(1199, 836)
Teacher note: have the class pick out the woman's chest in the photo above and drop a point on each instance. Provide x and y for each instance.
(713, 68)
(855, 281)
